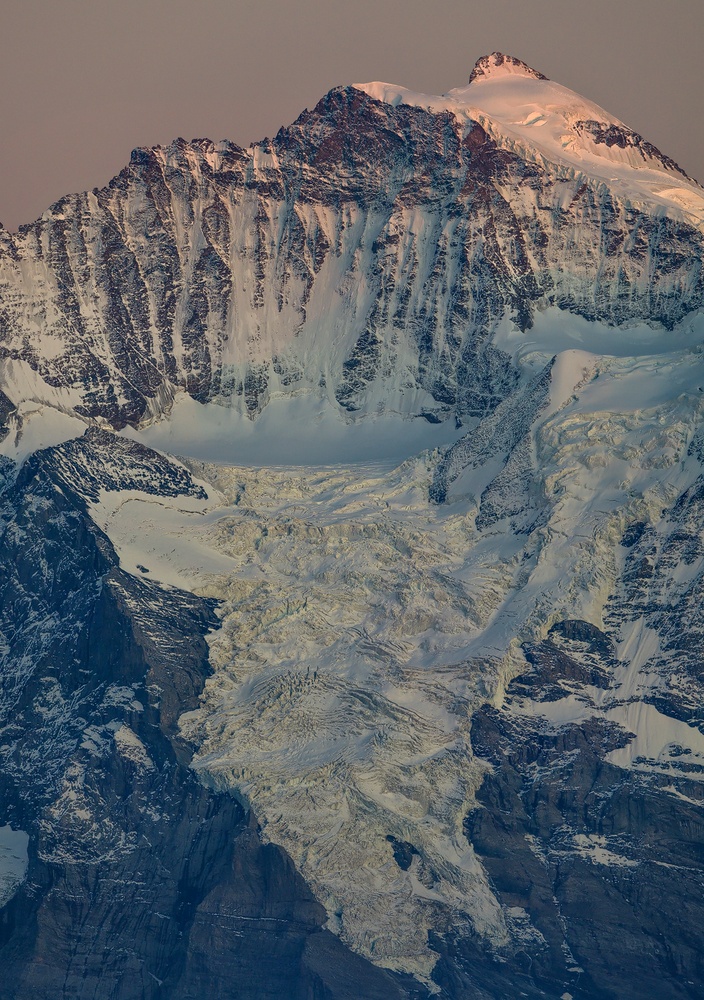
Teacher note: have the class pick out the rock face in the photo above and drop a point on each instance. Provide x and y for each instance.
(366, 254)
(497, 62)
(603, 867)
(347, 731)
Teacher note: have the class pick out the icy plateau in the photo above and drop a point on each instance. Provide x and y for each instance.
(403, 411)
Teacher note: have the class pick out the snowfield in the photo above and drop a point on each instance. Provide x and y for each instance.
(549, 123)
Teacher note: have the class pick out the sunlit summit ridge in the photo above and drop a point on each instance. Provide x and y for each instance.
(525, 111)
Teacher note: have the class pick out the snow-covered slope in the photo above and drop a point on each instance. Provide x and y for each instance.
(552, 126)
(366, 628)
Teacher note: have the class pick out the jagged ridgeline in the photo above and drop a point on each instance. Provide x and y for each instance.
(366, 253)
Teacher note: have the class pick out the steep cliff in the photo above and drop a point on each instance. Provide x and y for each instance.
(365, 255)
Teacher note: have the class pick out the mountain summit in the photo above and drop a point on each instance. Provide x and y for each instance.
(497, 64)
(543, 121)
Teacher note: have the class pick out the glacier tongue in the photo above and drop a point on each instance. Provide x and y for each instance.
(363, 625)
(342, 698)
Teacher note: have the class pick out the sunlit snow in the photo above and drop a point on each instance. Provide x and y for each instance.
(541, 119)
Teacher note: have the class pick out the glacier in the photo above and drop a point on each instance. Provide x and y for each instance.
(363, 625)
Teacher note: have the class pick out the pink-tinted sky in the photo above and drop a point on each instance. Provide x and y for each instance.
(82, 82)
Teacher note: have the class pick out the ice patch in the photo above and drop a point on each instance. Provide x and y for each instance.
(595, 848)
(164, 539)
(131, 748)
(36, 426)
(295, 430)
(660, 741)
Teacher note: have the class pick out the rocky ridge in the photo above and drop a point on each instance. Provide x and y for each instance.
(365, 254)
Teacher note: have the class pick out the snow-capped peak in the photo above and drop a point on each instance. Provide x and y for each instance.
(544, 122)
(497, 64)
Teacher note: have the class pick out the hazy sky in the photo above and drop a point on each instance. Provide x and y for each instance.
(82, 82)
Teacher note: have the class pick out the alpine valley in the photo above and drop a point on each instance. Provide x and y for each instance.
(352, 547)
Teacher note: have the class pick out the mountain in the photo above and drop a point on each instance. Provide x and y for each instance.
(365, 254)
(389, 685)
